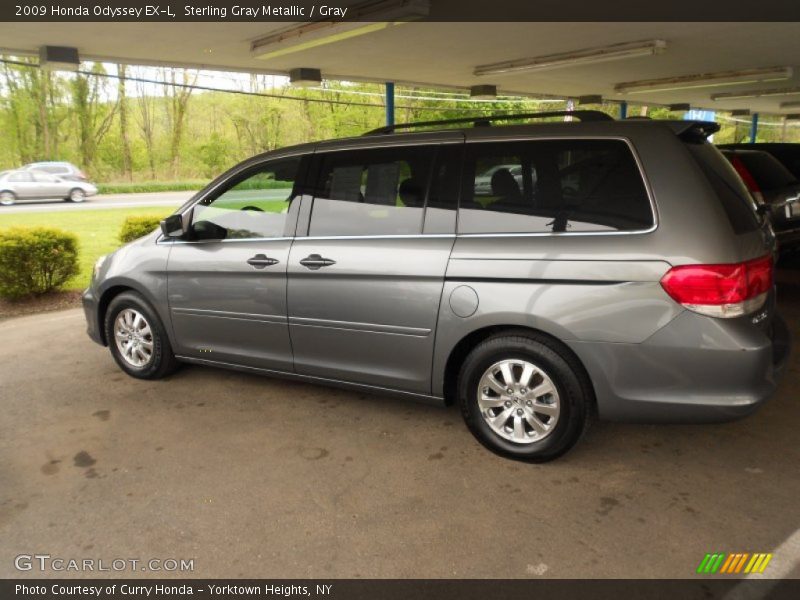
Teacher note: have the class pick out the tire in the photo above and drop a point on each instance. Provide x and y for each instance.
(76, 195)
(128, 340)
(7, 198)
(519, 427)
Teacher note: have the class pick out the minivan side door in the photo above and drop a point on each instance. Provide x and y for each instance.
(365, 281)
(227, 280)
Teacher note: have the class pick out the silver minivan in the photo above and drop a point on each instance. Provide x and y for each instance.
(608, 268)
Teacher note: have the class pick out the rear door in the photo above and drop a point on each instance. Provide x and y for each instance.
(366, 276)
(49, 186)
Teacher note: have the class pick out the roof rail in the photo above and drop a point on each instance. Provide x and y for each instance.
(479, 121)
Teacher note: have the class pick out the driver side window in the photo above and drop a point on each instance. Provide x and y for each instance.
(252, 205)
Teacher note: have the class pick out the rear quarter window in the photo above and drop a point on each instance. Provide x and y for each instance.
(553, 186)
(731, 192)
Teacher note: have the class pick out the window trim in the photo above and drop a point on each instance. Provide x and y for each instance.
(310, 177)
(636, 158)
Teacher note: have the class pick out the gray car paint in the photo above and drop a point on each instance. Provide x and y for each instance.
(385, 316)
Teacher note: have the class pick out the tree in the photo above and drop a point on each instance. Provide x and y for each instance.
(146, 123)
(177, 105)
(127, 163)
(94, 115)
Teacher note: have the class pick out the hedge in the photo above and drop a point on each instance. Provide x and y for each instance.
(36, 260)
(135, 227)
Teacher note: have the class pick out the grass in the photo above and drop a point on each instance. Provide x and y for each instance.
(97, 232)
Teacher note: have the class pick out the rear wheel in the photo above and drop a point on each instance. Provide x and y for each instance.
(137, 339)
(524, 397)
(76, 195)
(7, 198)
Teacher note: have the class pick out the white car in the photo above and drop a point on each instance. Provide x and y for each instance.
(38, 185)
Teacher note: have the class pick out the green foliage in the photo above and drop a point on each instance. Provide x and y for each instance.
(36, 260)
(135, 227)
(151, 186)
(97, 232)
(214, 154)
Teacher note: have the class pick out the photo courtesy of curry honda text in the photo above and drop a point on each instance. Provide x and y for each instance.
(538, 274)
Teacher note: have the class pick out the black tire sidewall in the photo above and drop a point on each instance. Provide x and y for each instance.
(162, 357)
(574, 411)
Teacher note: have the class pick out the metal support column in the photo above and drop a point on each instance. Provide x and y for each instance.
(754, 128)
(623, 110)
(389, 103)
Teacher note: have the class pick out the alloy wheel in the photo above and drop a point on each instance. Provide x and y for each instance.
(133, 337)
(519, 401)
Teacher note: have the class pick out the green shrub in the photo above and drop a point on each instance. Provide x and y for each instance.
(135, 227)
(35, 260)
(145, 187)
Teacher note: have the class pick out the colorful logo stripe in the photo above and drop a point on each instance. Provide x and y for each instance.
(733, 563)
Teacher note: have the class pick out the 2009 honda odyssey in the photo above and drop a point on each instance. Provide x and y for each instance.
(535, 274)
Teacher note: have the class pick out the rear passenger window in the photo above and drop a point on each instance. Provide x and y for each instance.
(553, 186)
(372, 192)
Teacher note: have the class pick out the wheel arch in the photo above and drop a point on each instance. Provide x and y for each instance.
(118, 286)
(468, 342)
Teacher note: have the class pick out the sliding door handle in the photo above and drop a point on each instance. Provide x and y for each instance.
(259, 261)
(315, 261)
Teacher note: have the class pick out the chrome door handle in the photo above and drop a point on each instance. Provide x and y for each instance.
(315, 261)
(259, 261)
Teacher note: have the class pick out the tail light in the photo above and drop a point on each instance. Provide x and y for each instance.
(723, 291)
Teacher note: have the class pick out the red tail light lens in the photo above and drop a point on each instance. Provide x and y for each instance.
(721, 290)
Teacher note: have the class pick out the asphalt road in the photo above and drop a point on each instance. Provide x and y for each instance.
(99, 202)
(251, 476)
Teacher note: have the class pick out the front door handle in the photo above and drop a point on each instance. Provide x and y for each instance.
(259, 261)
(315, 261)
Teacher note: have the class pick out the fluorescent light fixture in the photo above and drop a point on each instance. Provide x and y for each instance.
(791, 91)
(792, 104)
(704, 80)
(587, 56)
(483, 92)
(59, 58)
(305, 77)
(362, 18)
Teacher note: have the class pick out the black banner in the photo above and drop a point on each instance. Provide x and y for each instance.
(391, 10)
(393, 589)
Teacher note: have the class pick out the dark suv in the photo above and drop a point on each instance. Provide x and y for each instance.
(616, 268)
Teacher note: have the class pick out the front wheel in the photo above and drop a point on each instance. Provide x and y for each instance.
(77, 195)
(7, 198)
(524, 396)
(137, 339)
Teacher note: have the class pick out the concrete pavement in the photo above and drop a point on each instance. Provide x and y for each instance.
(256, 477)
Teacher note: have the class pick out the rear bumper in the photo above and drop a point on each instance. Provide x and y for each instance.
(90, 311)
(694, 370)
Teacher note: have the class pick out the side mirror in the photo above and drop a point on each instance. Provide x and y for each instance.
(172, 226)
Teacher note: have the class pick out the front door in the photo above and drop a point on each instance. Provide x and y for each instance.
(365, 284)
(227, 280)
